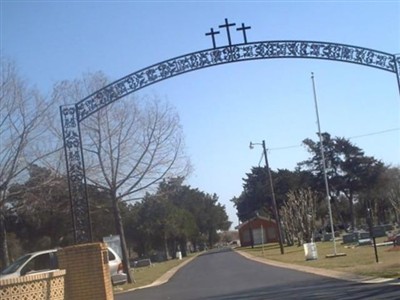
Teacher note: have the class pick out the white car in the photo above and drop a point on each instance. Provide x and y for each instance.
(116, 269)
(45, 261)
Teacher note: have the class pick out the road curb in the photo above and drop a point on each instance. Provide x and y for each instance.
(322, 272)
(165, 277)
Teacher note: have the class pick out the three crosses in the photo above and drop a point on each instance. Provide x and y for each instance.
(227, 25)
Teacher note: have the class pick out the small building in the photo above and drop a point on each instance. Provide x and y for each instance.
(260, 230)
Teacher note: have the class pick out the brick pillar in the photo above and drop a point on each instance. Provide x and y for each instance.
(88, 275)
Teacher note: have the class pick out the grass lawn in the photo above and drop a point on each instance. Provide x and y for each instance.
(146, 275)
(358, 260)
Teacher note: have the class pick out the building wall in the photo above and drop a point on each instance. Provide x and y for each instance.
(260, 229)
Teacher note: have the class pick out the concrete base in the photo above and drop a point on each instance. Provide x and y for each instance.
(335, 255)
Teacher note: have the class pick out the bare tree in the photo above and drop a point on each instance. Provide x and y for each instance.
(128, 146)
(392, 189)
(299, 215)
(289, 222)
(22, 111)
(134, 144)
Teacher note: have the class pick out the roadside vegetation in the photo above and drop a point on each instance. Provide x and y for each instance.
(358, 260)
(147, 275)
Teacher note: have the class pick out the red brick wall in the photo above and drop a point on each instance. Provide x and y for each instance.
(88, 275)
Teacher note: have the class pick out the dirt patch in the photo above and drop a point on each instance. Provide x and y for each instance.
(395, 248)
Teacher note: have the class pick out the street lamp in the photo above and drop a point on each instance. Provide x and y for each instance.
(277, 219)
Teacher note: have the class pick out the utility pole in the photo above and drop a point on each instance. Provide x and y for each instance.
(277, 218)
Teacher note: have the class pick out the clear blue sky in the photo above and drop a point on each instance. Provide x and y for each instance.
(223, 108)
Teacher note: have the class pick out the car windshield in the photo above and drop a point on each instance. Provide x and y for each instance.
(15, 265)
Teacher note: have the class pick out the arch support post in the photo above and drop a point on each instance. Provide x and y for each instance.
(76, 174)
(397, 64)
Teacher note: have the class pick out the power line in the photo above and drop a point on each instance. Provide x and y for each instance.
(350, 138)
(374, 133)
(286, 147)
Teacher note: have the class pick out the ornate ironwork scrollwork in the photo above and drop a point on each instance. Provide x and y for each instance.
(397, 65)
(76, 175)
(230, 54)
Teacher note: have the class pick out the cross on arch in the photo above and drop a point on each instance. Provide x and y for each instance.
(227, 25)
(213, 33)
(244, 28)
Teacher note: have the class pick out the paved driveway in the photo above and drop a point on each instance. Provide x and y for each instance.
(224, 274)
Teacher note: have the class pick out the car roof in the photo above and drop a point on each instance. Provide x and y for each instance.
(42, 252)
(55, 250)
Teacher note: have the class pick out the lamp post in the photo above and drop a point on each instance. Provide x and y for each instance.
(277, 219)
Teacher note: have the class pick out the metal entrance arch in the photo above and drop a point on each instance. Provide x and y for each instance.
(72, 115)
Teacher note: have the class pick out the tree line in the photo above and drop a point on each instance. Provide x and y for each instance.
(357, 182)
(161, 223)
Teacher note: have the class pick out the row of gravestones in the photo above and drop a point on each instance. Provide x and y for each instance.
(364, 237)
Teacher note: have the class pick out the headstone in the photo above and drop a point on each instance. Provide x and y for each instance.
(364, 238)
(327, 237)
(363, 235)
(142, 263)
(350, 238)
(388, 227)
(379, 231)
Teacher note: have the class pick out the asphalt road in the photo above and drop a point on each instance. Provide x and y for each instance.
(224, 274)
